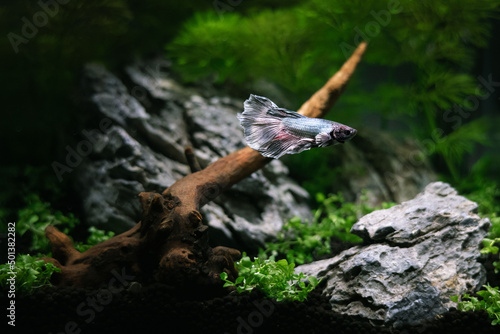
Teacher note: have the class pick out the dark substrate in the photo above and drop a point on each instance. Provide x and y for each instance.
(158, 308)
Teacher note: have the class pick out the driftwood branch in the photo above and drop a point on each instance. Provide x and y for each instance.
(170, 243)
(192, 161)
(236, 166)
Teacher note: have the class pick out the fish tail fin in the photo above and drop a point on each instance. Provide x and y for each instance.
(264, 130)
(259, 127)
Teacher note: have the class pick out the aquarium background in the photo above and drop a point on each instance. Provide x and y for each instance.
(431, 73)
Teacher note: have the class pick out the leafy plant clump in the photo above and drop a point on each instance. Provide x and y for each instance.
(490, 248)
(490, 302)
(302, 241)
(36, 216)
(275, 279)
(31, 273)
(96, 236)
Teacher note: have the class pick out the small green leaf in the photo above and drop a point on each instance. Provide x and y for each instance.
(313, 280)
(33, 219)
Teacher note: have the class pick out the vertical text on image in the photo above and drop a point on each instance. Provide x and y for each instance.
(11, 261)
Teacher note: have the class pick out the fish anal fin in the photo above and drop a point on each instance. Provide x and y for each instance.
(286, 143)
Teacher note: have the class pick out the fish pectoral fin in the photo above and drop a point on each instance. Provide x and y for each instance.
(323, 139)
(282, 113)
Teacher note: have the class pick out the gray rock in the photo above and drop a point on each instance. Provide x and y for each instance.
(154, 119)
(418, 254)
(387, 169)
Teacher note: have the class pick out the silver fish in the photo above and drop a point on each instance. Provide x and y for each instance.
(275, 131)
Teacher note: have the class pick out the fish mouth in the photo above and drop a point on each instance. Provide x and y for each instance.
(347, 137)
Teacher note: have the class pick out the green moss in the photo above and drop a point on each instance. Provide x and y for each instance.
(276, 279)
(30, 273)
(300, 242)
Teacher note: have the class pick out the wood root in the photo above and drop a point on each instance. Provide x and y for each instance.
(170, 243)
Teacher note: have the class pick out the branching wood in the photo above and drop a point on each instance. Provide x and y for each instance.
(170, 243)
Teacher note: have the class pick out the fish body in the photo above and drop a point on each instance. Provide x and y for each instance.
(274, 131)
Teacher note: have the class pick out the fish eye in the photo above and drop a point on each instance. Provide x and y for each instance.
(347, 132)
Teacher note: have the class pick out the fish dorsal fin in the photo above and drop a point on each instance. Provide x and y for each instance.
(280, 112)
(260, 100)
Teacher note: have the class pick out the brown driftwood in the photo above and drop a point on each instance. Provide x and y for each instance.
(170, 243)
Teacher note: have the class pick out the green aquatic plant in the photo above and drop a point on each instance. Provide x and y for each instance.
(486, 194)
(30, 273)
(276, 279)
(426, 52)
(490, 248)
(96, 236)
(36, 216)
(302, 241)
(489, 302)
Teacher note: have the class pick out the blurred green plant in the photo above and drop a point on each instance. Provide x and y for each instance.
(301, 241)
(490, 248)
(489, 193)
(275, 279)
(31, 273)
(486, 193)
(420, 53)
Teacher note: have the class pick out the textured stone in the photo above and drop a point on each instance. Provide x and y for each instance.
(154, 119)
(388, 169)
(417, 255)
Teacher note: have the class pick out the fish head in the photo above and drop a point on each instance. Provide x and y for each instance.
(342, 133)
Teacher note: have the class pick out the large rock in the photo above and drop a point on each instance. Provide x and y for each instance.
(418, 254)
(153, 119)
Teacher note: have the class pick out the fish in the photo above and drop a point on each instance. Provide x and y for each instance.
(275, 131)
